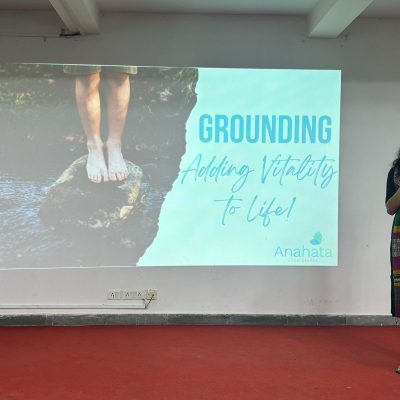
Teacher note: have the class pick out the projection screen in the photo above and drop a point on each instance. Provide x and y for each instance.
(152, 166)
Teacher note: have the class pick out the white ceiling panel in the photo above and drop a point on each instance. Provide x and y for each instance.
(378, 9)
(284, 7)
(25, 5)
(383, 9)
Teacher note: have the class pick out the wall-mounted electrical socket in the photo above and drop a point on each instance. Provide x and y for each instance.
(127, 294)
(113, 294)
(140, 294)
(151, 294)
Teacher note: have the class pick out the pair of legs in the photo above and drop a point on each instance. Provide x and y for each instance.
(112, 167)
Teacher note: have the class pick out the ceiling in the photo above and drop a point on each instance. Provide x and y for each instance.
(379, 8)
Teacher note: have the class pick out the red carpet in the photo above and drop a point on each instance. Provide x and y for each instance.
(187, 362)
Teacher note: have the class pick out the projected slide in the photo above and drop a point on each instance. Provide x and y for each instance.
(138, 166)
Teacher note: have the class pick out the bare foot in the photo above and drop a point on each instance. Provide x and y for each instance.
(117, 170)
(96, 166)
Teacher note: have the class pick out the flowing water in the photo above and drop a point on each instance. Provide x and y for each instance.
(25, 242)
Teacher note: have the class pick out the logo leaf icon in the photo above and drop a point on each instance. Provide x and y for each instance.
(317, 239)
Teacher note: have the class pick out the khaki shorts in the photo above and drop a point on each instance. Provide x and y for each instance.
(93, 69)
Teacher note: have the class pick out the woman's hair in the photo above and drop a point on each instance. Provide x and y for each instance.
(396, 162)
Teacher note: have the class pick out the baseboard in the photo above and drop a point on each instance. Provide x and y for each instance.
(194, 319)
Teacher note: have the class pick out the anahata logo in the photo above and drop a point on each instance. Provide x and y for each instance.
(313, 252)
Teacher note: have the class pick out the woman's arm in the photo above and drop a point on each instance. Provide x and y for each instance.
(392, 194)
(393, 204)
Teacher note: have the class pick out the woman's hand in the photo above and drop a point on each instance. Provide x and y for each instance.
(393, 204)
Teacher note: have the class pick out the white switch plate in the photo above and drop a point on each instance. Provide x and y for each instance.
(131, 294)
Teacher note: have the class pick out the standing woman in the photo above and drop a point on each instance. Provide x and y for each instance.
(393, 208)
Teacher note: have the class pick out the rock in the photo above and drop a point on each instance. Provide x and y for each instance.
(74, 202)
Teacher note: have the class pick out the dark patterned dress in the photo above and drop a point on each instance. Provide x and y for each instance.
(393, 183)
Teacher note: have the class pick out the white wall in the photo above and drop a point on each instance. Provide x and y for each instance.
(368, 55)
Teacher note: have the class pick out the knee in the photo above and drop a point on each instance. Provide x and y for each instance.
(117, 79)
(88, 82)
